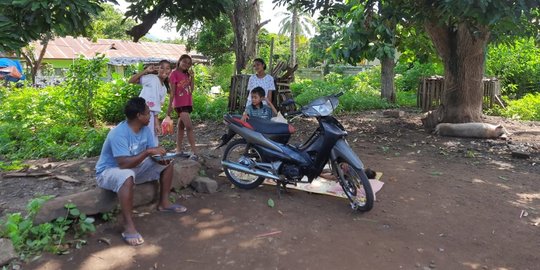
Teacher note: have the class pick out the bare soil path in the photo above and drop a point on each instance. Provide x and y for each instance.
(447, 204)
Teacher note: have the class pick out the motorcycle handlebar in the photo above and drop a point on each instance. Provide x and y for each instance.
(338, 94)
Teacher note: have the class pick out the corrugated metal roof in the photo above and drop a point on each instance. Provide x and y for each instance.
(71, 48)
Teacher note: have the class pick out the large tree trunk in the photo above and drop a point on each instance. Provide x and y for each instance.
(388, 91)
(294, 26)
(463, 55)
(245, 20)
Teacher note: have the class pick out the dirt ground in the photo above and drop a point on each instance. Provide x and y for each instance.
(447, 203)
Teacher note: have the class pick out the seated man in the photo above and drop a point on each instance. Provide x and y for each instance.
(125, 161)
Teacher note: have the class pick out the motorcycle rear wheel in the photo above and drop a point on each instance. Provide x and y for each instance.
(353, 181)
(235, 152)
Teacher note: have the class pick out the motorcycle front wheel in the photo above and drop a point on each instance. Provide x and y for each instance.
(356, 186)
(238, 152)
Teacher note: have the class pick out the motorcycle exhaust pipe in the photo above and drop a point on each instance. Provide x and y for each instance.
(244, 169)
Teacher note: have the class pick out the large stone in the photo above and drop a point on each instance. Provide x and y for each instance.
(204, 185)
(184, 172)
(7, 252)
(95, 201)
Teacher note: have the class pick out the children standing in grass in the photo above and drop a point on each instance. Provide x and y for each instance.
(181, 99)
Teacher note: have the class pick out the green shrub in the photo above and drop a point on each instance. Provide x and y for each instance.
(527, 108)
(83, 79)
(516, 65)
(409, 74)
(206, 106)
(221, 75)
(361, 92)
(30, 239)
(406, 98)
(112, 96)
(57, 141)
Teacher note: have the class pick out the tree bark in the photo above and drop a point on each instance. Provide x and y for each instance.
(463, 53)
(245, 20)
(294, 26)
(388, 90)
(33, 62)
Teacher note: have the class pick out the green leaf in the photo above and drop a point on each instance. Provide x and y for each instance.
(70, 205)
(271, 203)
(89, 220)
(74, 212)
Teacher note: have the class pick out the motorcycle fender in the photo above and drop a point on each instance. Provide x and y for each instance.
(342, 150)
(255, 138)
(226, 138)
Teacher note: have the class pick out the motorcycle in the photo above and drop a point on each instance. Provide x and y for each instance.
(263, 152)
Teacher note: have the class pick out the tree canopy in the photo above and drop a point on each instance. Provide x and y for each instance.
(459, 30)
(110, 23)
(181, 12)
(23, 21)
(214, 39)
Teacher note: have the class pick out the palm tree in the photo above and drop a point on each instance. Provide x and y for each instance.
(295, 23)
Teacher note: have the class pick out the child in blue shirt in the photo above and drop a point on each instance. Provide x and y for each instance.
(257, 107)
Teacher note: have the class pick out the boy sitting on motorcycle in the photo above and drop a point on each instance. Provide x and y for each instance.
(257, 107)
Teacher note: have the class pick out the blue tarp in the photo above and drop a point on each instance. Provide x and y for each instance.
(4, 62)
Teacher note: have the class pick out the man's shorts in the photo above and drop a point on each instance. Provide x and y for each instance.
(114, 178)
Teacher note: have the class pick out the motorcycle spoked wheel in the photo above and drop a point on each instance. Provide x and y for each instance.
(354, 181)
(235, 153)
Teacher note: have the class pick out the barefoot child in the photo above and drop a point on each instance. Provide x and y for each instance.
(257, 107)
(182, 85)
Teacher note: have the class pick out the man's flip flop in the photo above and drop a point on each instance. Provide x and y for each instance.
(173, 208)
(131, 236)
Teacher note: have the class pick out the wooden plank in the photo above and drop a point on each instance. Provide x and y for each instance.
(27, 174)
(66, 178)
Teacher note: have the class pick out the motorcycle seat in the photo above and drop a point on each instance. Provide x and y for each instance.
(269, 127)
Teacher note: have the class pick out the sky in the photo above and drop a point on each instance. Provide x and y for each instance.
(267, 12)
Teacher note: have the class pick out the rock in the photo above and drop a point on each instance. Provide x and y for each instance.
(95, 201)
(393, 113)
(520, 154)
(204, 185)
(184, 172)
(8, 252)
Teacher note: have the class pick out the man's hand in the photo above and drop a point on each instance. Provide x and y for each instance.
(244, 117)
(156, 151)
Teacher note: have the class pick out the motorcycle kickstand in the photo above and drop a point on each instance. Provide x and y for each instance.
(279, 186)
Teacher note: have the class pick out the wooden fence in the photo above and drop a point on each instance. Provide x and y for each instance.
(430, 92)
(238, 94)
(283, 76)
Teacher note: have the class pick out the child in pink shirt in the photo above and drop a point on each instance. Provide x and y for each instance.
(182, 85)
